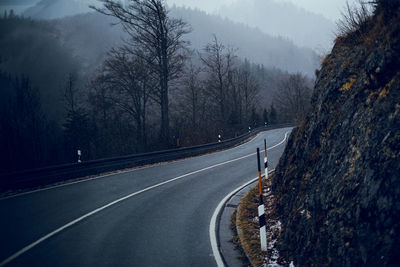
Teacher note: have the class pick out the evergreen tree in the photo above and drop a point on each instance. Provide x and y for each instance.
(77, 129)
(273, 114)
(265, 116)
(11, 15)
(255, 118)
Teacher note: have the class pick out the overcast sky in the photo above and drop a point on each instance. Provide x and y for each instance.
(329, 8)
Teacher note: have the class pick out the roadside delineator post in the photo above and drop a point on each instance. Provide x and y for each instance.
(219, 138)
(265, 159)
(79, 152)
(261, 212)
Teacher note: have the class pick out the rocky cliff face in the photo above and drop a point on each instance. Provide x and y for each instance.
(338, 182)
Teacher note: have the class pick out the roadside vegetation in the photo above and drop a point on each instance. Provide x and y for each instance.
(246, 224)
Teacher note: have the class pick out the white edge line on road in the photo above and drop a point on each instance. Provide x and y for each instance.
(213, 224)
(217, 211)
(28, 247)
(115, 173)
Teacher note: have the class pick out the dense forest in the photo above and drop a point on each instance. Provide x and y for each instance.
(121, 96)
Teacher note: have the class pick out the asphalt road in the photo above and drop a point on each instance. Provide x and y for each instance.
(152, 216)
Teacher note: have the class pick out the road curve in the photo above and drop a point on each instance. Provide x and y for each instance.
(152, 216)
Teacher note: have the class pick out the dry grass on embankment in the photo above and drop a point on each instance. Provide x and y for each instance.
(247, 228)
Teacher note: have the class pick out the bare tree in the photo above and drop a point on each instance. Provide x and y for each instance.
(293, 98)
(193, 93)
(218, 64)
(77, 130)
(129, 86)
(159, 39)
(249, 90)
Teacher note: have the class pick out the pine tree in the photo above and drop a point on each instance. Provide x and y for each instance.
(11, 15)
(255, 118)
(265, 116)
(272, 114)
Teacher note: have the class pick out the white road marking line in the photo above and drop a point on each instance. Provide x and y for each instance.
(217, 211)
(25, 249)
(213, 224)
(116, 173)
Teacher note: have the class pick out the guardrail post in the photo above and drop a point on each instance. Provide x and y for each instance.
(261, 209)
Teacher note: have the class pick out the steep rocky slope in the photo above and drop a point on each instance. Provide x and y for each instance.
(338, 182)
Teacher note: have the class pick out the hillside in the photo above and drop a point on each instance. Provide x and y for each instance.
(303, 27)
(338, 184)
(251, 43)
(53, 9)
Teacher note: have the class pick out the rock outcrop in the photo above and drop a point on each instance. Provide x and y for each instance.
(338, 182)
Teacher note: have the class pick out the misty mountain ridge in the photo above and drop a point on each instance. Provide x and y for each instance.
(251, 43)
(270, 16)
(53, 9)
(283, 19)
(74, 23)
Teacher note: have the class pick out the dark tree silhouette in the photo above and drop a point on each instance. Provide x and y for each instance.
(265, 116)
(77, 129)
(159, 38)
(128, 84)
(273, 116)
(293, 98)
(218, 64)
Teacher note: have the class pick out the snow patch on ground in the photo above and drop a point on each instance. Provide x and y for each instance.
(272, 260)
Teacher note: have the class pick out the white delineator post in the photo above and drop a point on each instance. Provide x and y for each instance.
(265, 159)
(263, 230)
(79, 155)
(261, 212)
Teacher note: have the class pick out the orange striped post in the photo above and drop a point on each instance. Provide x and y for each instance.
(261, 209)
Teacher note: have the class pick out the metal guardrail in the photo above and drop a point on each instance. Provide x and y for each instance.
(59, 173)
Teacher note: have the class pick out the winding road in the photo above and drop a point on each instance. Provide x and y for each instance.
(157, 215)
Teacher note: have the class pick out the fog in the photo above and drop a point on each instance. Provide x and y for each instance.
(308, 23)
(331, 9)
